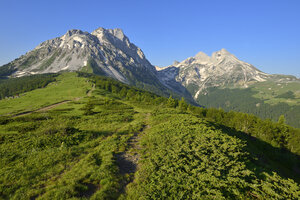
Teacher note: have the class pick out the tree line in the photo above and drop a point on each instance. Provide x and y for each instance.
(278, 134)
(16, 86)
(243, 101)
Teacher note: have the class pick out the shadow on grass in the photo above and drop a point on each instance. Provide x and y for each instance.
(268, 158)
(86, 190)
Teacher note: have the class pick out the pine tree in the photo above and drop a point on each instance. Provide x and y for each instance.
(88, 108)
(171, 102)
(182, 104)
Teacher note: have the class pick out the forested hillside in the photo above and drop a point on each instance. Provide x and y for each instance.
(108, 140)
(16, 86)
(244, 100)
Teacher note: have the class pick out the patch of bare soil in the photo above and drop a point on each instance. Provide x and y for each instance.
(42, 109)
(54, 105)
(128, 161)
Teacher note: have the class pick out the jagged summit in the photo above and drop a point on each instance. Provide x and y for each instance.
(218, 70)
(73, 31)
(104, 51)
(223, 55)
(175, 62)
(223, 52)
(202, 57)
(116, 33)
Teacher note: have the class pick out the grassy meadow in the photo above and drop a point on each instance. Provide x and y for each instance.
(274, 93)
(67, 87)
(74, 150)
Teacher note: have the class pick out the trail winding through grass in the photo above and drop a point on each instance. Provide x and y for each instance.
(46, 108)
(128, 160)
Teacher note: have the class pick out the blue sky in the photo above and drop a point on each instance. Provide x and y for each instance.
(265, 33)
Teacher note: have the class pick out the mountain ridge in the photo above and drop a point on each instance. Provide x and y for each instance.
(109, 52)
(103, 45)
(106, 52)
(221, 69)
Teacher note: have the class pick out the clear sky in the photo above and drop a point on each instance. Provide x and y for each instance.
(265, 33)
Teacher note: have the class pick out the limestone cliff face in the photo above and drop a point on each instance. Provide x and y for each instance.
(222, 69)
(104, 51)
(109, 52)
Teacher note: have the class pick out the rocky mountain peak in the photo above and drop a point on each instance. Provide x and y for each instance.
(175, 63)
(110, 35)
(118, 33)
(222, 54)
(220, 70)
(73, 32)
(201, 57)
(104, 51)
(116, 39)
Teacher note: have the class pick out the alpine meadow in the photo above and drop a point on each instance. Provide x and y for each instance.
(108, 140)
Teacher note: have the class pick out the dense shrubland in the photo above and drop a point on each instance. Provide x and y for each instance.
(187, 158)
(278, 134)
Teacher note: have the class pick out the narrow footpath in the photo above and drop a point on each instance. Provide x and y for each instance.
(128, 160)
(46, 108)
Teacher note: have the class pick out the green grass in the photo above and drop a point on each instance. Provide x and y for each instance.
(67, 87)
(70, 151)
(62, 154)
(187, 158)
(268, 91)
(255, 101)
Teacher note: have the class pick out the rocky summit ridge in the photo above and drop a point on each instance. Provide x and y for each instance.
(104, 51)
(109, 52)
(221, 69)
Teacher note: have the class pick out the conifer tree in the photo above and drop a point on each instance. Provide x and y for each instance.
(182, 104)
(171, 102)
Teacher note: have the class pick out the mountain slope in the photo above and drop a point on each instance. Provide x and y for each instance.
(104, 51)
(222, 80)
(199, 79)
(222, 69)
(183, 152)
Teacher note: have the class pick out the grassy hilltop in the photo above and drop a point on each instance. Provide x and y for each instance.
(82, 136)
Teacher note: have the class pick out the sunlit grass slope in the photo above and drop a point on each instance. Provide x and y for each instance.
(66, 87)
(274, 93)
(186, 157)
(185, 152)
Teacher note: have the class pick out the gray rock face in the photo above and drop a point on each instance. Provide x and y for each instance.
(104, 51)
(222, 69)
(109, 52)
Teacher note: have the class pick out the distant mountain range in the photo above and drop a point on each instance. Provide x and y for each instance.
(109, 52)
(104, 51)
(222, 69)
